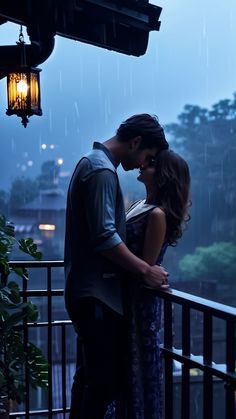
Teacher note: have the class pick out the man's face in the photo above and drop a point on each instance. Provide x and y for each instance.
(137, 158)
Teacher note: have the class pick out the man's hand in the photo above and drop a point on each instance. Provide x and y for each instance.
(156, 277)
(153, 276)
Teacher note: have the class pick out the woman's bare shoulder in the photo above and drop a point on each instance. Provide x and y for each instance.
(158, 213)
(157, 219)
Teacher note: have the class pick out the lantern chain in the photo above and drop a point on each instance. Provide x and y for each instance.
(21, 36)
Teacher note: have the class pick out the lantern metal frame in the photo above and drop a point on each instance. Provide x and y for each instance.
(24, 103)
(23, 87)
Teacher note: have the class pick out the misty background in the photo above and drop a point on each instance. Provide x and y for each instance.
(87, 91)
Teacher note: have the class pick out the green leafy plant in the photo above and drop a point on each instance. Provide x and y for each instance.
(217, 261)
(15, 360)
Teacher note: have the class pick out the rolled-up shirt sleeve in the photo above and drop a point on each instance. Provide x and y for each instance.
(100, 203)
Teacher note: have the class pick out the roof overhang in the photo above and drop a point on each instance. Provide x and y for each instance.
(119, 25)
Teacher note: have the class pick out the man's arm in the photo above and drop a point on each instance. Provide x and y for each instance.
(153, 276)
(100, 201)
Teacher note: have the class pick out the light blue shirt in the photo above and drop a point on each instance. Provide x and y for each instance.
(95, 222)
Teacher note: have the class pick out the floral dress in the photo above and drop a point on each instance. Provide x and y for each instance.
(144, 397)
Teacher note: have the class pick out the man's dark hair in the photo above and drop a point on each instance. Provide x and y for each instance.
(147, 127)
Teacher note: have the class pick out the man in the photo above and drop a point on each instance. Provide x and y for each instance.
(96, 254)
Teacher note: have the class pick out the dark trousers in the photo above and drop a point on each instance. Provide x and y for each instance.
(99, 377)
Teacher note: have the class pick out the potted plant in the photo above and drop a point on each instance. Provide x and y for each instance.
(14, 360)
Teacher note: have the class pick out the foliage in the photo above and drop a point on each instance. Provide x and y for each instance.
(217, 262)
(14, 359)
(207, 138)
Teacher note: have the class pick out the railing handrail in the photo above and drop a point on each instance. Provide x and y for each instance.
(201, 304)
(192, 301)
(37, 263)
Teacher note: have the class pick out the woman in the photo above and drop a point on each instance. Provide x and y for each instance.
(152, 225)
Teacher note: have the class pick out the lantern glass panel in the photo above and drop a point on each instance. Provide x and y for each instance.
(18, 90)
(35, 94)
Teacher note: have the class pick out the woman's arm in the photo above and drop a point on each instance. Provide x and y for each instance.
(154, 236)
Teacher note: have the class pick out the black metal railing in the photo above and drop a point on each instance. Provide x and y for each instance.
(210, 370)
(49, 293)
(209, 309)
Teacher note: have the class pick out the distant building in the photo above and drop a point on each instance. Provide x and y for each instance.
(43, 219)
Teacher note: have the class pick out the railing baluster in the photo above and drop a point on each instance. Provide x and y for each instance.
(185, 393)
(207, 338)
(230, 402)
(230, 346)
(207, 395)
(63, 367)
(168, 343)
(26, 339)
(230, 408)
(168, 329)
(186, 330)
(207, 359)
(49, 289)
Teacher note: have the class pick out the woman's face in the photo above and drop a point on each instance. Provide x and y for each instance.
(146, 173)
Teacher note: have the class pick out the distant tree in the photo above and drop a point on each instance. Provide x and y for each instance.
(4, 202)
(207, 138)
(48, 178)
(23, 190)
(217, 262)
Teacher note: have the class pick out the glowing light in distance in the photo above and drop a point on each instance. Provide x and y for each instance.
(47, 227)
(60, 161)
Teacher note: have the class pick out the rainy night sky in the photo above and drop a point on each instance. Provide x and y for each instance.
(87, 91)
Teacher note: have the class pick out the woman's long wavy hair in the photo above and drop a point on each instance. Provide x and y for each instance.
(172, 183)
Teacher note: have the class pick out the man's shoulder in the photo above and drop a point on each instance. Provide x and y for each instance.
(94, 164)
(99, 160)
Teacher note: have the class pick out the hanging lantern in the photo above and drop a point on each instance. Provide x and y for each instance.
(23, 91)
(23, 87)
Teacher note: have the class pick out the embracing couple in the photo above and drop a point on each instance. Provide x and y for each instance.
(112, 259)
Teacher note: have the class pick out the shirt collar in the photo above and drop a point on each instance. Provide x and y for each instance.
(100, 146)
